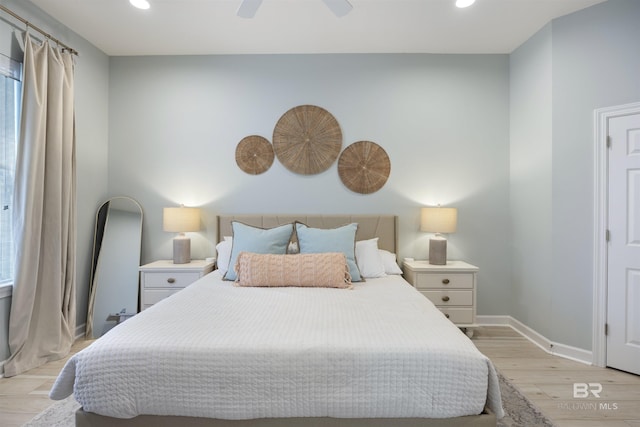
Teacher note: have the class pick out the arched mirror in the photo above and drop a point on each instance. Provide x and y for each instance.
(113, 296)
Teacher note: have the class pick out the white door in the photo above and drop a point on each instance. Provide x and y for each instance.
(623, 282)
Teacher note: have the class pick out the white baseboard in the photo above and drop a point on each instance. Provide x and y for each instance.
(493, 320)
(80, 331)
(557, 349)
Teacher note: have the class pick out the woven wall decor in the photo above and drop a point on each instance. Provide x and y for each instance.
(364, 167)
(254, 154)
(307, 139)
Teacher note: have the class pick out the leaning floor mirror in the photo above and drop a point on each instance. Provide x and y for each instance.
(113, 295)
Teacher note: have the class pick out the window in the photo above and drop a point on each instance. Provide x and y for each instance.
(10, 93)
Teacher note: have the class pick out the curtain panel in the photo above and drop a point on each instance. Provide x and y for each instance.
(43, 308)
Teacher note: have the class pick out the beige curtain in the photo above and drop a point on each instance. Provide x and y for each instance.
(43, 307)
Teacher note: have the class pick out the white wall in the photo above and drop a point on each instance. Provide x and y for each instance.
(443, 120)
(91, 92)
(591, 60)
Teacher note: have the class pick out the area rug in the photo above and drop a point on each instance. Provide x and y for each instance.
(519, 411)
(60, 414)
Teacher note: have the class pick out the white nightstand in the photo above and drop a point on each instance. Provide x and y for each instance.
(160, 279)
(451, 287)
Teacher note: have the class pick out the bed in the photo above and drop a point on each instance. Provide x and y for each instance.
(216, 354)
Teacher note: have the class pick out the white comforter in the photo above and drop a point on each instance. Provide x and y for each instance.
(379, 350)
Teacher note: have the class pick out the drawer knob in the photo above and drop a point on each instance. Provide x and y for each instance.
(447, 315)
(445, 281)
(171, 280)
(445, 298)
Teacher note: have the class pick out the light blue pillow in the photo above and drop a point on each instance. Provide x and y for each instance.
(258, 240)
(341, 239)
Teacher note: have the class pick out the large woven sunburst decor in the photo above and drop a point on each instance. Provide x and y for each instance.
(254, 154)
(364, 167)
(307, 139)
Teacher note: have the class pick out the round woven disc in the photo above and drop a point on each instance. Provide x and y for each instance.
(307, 139)
(364, 167)
(254, 154)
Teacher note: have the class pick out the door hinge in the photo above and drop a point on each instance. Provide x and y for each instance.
(608, 141)
(606, 329)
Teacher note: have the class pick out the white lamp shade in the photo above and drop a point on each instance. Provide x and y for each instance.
(181, 220)
(438, 220)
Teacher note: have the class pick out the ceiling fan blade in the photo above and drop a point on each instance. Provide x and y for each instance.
(339, 7)
(248, 8)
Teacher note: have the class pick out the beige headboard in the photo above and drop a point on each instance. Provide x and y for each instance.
(369, 226)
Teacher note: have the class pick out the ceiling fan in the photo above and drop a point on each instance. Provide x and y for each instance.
(248, 8)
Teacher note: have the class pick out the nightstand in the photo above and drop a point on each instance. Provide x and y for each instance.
(451, 287)
(160, 279)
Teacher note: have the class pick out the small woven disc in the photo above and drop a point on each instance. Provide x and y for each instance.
(364, 167)
(307, 139)
(254, 154)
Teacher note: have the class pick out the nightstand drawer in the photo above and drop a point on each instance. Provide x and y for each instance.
(450, 280)
(163, 278)
(457, 315)
(152, 296)
(451, 287)
(446, 297)
(169, 280)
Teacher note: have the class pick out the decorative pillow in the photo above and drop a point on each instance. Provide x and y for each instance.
(224, 254)
(341, 239)
(326, 270)
(389, 261)
(259, 240)
(368, 258)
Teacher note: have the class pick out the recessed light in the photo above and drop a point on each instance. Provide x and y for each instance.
(140, 4)
(464, 3)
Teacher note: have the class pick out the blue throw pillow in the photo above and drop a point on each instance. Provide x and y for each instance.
(341, 239)
(258, 240)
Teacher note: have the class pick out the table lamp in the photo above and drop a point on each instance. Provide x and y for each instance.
(181, 220)
(438, 220)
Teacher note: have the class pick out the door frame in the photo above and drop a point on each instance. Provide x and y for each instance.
(600, 221)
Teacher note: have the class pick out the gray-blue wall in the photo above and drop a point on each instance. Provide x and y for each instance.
(584, 61)
(443, 119)
(531, 181)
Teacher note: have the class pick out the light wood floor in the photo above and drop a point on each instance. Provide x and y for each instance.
(547, 380)
(24, 396)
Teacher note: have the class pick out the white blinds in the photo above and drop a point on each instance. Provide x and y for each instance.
(10, 67)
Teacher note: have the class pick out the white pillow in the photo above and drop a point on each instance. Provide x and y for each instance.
(368, 258)
(224, 254)
(293, 248)
(389, 262)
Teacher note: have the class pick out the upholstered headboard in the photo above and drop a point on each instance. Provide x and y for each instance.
(369, 226)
